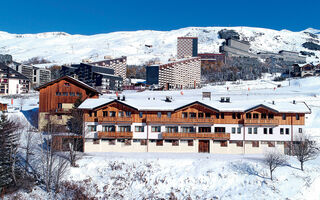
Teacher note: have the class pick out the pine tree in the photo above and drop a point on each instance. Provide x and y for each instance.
(8, 148)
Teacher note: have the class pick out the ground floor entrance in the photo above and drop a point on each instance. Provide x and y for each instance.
(204, 146)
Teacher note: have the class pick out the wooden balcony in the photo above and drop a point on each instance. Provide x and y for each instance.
(116, 120)
(216, 136)
(167, 120)
(115, 134)
(272, 122)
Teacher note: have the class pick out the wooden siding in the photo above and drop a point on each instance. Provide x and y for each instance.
(48, 100)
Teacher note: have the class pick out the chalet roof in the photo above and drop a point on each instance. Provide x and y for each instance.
(161, 105)
(71, 79)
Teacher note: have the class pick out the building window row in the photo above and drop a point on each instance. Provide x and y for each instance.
(68, 94)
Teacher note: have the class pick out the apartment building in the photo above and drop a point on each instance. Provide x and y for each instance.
(119, 65)
(57, 98)
(40, 76)
(183, 73)
(288, 56)
(236, 48)
(12, 82)
(182, 126)
(99, 77)
(187, 47)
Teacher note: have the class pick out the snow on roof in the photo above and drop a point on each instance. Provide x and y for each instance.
(159, 104)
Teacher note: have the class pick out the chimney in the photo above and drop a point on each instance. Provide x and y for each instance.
(228, 99)
(222, 99)
(273, 102)
(123, 98)
(118, 97)
(294, 101)
(168, 99)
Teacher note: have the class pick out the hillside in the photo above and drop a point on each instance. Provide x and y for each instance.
(63, 48)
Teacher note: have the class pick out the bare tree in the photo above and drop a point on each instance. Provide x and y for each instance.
(21, 102)
(274, 159)
(53, 165)
(28, 145)
(304, 149)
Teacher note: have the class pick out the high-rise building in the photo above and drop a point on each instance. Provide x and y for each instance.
(187, 47)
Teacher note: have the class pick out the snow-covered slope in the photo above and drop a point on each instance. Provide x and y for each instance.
(65, 48)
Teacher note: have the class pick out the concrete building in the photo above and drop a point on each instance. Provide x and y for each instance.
(288, 56)
(204, 126)
(119, 65)
(236, 48)
(99, 77)
(12, 82)
(187, 47)
(183, 73)
(40, 76)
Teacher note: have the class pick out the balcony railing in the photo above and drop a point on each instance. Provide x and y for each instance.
(223, 136)
(166, 120)
(115, 134)
(109, 119)
(261, 121)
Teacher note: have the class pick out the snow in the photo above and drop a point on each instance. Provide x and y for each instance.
(63, 48)
(198, 176)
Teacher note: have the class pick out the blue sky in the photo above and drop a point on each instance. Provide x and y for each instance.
(104, 16)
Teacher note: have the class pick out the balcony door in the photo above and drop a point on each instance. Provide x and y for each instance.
(204, 146)
(204, 129)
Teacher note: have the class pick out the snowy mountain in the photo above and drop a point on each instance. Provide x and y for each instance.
(64, 48)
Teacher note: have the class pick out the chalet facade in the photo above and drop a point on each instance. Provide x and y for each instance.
(58, 97)
(199, 126)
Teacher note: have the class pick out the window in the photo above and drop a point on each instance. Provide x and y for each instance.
(121, 114)
(155, 128)
(287, 131)
(297, 117)
(270, 130)
(270, 116)
(238, 115)
(128, 114)
(248, 115)
(127, 142)
(271, 144)
(175, 142)
(250, 130)
(222, 115)
(59, 116)
(284, 117)
(263, 115)
(255, 116)
(34, 79)
(78, 93)
(171, 129)
(124, 128)
(169, 114)
(96, 141)
(208, 115)
(60, 105)
(281, 131)
(159, 114)
(192, 115)
(200, 115)
(300, 130)
(184, 115)
(92, 128)
(239, 143)
(159, 143)
(217, 115)
(139, 128)
(65, 94)
(95, 113)
(223, 143)
(72, 94)
(67, 84)
(187, 129)
(233, 130)
(219, 129)
(255, 143)
(112, 113)
(105, 113)
(140, 114)
(255, 130)
(143, 142)
(58, 93)
(190, 142)
(110, 128)
(238, 130)
(265, 131)
(233, 115)
(112, 142)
